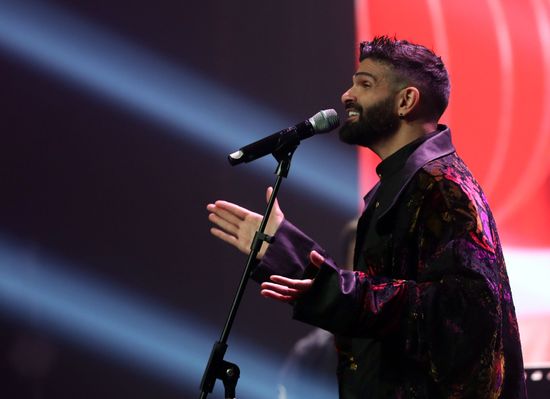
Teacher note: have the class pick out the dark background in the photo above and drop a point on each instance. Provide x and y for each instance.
(122, 197)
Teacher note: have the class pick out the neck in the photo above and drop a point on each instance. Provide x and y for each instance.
(407, 133)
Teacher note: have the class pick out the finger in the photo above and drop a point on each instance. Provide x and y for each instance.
(232, 208)
(292, 283)
(281, 289)
(276, 296)
(228, 238)
(268, 193)
(316, 258)
(226, 214)
(223, 224)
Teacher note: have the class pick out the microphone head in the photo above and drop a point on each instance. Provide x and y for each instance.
(324, 121)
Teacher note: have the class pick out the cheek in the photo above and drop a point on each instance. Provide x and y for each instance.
(368, 100)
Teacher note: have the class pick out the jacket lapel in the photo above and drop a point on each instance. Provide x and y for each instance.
(435, 147)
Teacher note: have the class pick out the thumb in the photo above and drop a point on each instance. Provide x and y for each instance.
(316, 258)
(268, 193)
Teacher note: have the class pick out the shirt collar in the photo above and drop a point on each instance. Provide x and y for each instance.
(397, 160)
(434, 145)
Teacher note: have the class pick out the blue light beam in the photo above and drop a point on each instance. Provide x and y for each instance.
(51, 295)
(194, 107)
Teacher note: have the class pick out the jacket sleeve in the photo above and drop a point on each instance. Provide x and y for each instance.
(287, 255)
(448, 318)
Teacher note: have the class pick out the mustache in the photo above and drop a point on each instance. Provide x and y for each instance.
(352, 106)
(355, 108)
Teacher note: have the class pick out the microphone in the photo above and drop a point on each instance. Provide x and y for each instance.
(322, 122)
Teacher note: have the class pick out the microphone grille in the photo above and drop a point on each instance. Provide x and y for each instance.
(324, 121)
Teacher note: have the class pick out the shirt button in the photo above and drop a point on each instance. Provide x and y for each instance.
(377, 204)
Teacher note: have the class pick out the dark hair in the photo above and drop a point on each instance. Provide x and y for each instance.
(413, 65)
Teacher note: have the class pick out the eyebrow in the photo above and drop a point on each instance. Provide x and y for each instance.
(356, 74)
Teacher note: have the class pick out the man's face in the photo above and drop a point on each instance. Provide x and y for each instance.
(370, 106)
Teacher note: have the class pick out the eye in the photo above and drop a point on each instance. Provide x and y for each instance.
(366, 84)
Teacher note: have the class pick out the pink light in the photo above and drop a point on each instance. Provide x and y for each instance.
(498, 58)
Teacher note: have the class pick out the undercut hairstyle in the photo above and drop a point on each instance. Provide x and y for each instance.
(413, 65)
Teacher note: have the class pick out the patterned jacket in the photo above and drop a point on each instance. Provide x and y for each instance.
(432, 303)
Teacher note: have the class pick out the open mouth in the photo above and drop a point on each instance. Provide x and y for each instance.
(353, 114)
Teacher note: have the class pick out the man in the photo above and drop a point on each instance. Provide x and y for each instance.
(427, 311)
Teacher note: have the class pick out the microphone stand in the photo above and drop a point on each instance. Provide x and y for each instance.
(217, 367)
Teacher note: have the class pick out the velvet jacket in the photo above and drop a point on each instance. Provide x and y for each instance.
(429, 314)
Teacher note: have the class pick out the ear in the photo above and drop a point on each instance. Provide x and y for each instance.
(408, 99)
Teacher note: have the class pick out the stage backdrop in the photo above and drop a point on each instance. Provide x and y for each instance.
(115, 121)
(116, 118)
(498, 57)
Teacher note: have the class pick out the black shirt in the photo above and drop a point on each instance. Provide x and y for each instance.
(367, 235)
(354, 366)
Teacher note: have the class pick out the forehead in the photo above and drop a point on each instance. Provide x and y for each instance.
(376, 70)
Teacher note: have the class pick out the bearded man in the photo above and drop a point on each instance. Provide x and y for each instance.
(427, 310)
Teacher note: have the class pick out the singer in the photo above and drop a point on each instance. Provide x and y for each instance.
(427, 310)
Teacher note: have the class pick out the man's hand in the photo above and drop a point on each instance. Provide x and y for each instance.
(287, 289)
(237, 225)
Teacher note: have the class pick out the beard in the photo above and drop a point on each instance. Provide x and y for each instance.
(375, 124)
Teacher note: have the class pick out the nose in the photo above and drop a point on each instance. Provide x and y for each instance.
(348, 96)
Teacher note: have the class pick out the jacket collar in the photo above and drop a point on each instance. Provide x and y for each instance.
(437, 146)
